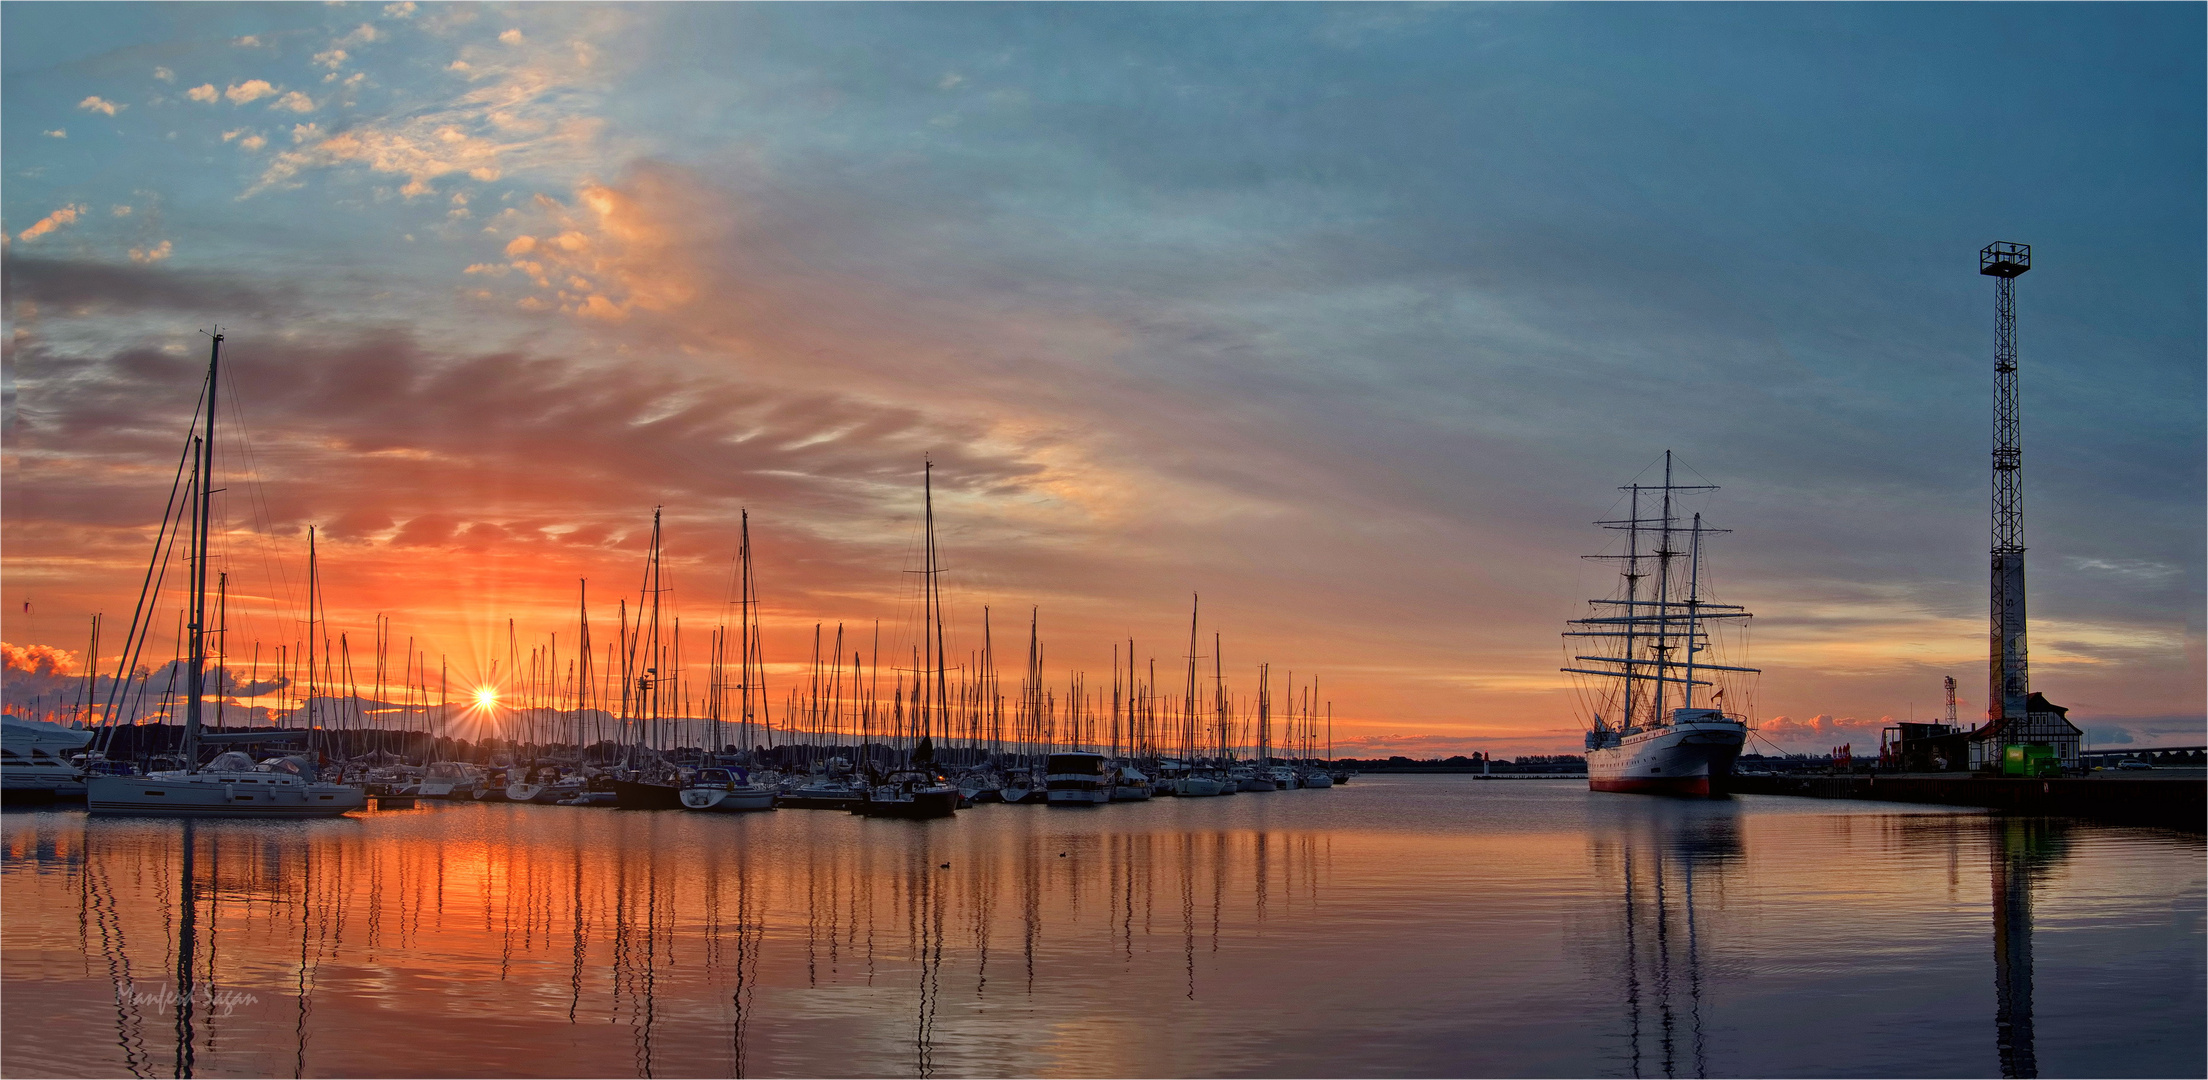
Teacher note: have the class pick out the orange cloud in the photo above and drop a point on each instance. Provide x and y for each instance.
(615, 250)
(250, 90)
(67, 215)
(36, 660)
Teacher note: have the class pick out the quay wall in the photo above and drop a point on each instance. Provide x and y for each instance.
(2177, 802)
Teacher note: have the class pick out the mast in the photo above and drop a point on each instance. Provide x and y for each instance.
(312, 584)
(1188, 709)
(1662, 645)
(1219, 696)
(196, 687)
(1658, 620)
(1694, 603)
(940, 707)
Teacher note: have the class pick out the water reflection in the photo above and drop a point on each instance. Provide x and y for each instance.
(1664, 861)
(1221, 936)
(2024, 851)
(635, 922)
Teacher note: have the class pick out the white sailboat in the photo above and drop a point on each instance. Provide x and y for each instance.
(726, 791)
(449, 780)
(1653, 637)
(231, 785)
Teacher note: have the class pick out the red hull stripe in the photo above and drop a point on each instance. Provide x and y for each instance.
(1651, 785)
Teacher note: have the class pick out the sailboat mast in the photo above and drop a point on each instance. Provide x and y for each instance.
(1188, 708)
(312, 583)
(196, 687)
(1694, 605)
(1632, 600)
(935, 592)
(1664, 555)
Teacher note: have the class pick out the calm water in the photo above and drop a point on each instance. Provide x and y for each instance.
(1408, 925)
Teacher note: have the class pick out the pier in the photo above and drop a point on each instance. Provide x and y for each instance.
(2177, 800)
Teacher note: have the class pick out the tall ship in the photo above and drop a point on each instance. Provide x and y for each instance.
(1650, 674)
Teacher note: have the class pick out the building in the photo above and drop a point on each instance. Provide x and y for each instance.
(2043, 722)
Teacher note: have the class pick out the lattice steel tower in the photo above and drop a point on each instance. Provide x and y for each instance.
(2009, 684)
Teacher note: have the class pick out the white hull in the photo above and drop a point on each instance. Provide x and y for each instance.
(35, 767)
(1097, 796)
(220, 794)
(1677, 759)
(728, 801)
(42, 780)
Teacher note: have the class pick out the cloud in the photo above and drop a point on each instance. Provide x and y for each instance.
(121, 211)
(524, 107)
(36, 660)
(332, 59)
(618, 249)
(100, 105)
(404, 9)
(104, 288)
(249, 90)
(295, 101)
(510, 37)
(58, 133)
(249, 41)
(1824, 730)
(153, 254)
(67, 215)
(204, 92)
(39, 674)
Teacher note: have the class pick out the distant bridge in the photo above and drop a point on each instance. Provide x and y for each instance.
(2152, 755)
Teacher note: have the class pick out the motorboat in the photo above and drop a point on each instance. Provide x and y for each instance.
(34, 762)
(1078, 778)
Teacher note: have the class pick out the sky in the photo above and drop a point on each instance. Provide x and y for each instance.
(1349, 319)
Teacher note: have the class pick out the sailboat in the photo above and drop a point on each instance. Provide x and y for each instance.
(1645, 736)
(919, 789)
(231, 785)
(652, 784)
(726, 790)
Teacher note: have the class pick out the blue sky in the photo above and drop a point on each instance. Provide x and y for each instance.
(1351, 317)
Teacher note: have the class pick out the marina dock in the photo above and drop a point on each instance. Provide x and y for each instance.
(2176, 800)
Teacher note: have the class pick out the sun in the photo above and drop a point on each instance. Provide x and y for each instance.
(486, 698)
